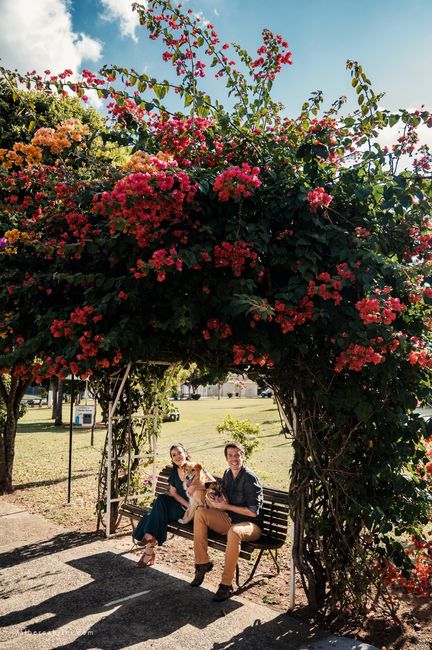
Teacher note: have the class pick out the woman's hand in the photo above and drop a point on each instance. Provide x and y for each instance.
(175, 495)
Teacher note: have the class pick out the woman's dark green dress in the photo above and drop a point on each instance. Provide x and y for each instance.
(165, 509)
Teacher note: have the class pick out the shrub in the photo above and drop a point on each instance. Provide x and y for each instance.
(244, 432)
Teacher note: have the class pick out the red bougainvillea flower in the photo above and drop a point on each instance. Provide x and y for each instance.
(235, 255)
(318, 198)
(237, 182)
(247, 355)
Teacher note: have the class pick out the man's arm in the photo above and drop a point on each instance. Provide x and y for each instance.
(239, 510)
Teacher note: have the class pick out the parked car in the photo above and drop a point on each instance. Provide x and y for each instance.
(34, 400)
(172, 414)
(189, 396)
(266, 392)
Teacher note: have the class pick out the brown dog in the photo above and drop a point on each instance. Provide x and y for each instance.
(194, 474)
(215, 494)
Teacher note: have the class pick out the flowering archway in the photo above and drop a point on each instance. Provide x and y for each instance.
(288, 248)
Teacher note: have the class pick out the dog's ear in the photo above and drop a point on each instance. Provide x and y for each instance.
(198, 467)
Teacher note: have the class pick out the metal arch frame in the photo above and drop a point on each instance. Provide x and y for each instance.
(111, 410)
(292, 590)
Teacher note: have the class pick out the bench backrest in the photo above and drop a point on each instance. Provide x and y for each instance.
(275, 506)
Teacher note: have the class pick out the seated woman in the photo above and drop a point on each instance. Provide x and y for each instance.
(167, 508)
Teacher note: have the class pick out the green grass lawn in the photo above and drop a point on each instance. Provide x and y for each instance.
(42, 454)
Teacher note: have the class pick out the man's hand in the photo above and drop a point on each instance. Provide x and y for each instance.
(218, 505)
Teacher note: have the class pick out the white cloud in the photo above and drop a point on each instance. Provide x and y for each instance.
(88, 48)
(38, 35)
(198, 15)
(121, 11)
(390, 134)
(388, 137)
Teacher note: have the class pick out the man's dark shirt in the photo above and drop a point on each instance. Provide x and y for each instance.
(244, 491)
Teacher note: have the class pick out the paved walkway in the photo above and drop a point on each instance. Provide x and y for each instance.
(62, 589)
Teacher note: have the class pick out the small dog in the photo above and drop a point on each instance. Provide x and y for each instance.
(215, 493)
(194, 474)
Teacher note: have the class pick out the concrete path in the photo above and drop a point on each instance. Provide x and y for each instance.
(62, 589)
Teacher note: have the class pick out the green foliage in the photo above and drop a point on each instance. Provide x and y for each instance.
(3, 406)
(242, 431)
(136, 424)
(23, 112)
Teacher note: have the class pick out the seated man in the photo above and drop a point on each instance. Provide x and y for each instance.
(240, 519)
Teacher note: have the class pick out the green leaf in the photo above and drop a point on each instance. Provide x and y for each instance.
(160, 91)
(188, 99)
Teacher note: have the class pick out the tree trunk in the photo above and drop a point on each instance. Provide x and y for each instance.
(54, 386)
(59, 404)
(306, 550)
(11, 393)
(93, 424)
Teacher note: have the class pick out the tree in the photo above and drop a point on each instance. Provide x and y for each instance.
(23, 112)
(292, 249)
(201, 376)
(30, 115)
(58, 413)
(12, 389)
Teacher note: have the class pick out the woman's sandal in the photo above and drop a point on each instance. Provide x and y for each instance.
(145, 541)
(147, 558)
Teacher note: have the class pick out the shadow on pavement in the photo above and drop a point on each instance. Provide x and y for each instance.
(137, 606)
(46, 547)
(282, 631)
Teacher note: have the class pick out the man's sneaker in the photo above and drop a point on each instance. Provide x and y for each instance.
(200, 571)
(223, 593)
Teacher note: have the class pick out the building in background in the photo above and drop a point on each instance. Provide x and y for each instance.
(237, 386)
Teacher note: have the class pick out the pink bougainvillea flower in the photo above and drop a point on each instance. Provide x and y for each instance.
(318, 198)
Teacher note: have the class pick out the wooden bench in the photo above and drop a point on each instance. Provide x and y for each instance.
(276, 514)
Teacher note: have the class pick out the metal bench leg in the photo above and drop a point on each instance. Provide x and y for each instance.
(274, 557)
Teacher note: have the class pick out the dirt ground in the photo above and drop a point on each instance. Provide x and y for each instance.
(415, 613)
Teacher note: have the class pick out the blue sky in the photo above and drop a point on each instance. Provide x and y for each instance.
(390, 38)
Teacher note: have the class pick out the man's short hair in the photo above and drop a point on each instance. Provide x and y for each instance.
(234, 445)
